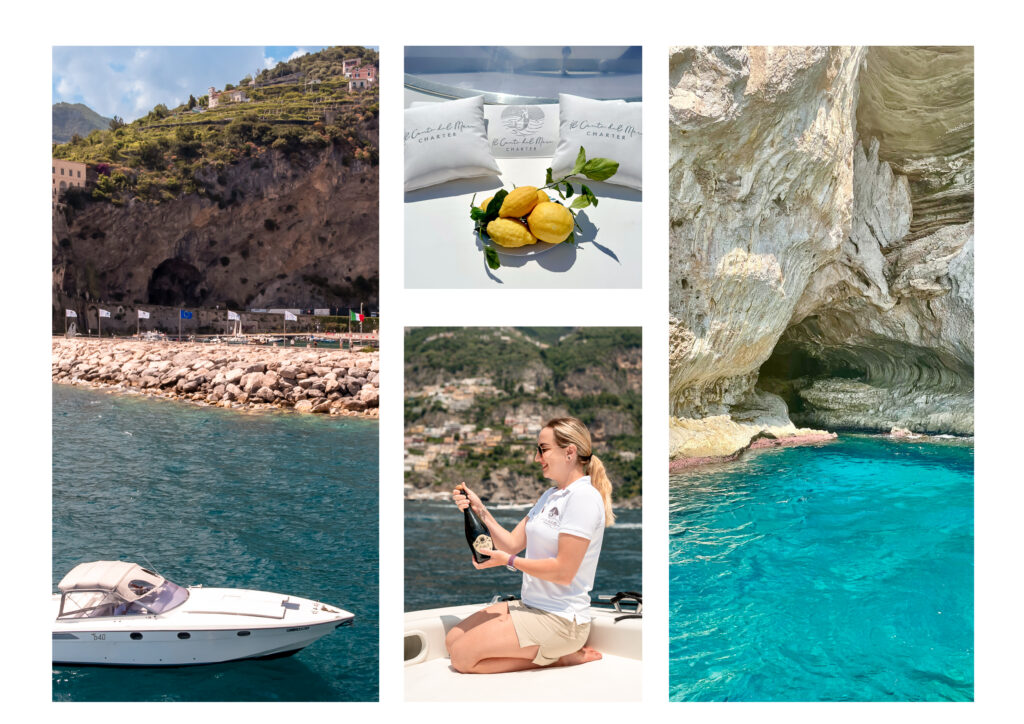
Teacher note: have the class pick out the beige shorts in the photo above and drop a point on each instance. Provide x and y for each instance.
(555, 635)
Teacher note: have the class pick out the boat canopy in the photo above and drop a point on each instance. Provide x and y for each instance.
(129, 581)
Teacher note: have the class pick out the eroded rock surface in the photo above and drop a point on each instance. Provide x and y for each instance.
(828, 270)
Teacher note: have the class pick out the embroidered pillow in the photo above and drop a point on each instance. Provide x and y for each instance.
(608, 129)
(446, 141)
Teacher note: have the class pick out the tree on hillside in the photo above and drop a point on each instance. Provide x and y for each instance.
(116, 122)
(191, 101)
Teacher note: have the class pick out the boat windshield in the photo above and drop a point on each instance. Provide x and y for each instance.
(160, 599)
(102, 604)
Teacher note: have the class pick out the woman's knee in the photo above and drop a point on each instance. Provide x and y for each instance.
(462, 659)
(452, 636)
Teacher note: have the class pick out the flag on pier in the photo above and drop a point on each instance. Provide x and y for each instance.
(104, 313)
(289, 317)
(233, 315)
(70, 313)
(355, 316)
(186, 315)
(143, 314)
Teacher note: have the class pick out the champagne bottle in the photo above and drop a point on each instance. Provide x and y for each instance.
(476, 534)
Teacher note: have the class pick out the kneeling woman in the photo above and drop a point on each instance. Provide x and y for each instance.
(562, 536)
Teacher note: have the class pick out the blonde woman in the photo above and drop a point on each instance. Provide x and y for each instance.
(562, 536)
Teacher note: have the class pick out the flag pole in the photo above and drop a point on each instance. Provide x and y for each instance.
(138, 324)
(99, 323)
(360, 317)
(180, 317)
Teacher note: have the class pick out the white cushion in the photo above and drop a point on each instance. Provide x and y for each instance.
(446, 141)
(606, 129)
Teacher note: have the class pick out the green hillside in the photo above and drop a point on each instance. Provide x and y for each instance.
(592, 372)
(71, 119)
(168, 152)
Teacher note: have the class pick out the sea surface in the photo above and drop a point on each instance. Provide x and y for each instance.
(278, 502)
(439, 569)
(836, 572)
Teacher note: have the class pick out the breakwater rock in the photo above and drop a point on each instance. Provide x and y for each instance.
(336, 382)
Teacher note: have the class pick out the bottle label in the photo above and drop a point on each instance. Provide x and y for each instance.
(483, 542)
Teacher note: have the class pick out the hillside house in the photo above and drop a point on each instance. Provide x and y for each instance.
(348, 65)
(65, 175)
(235, 95)
(363, 77)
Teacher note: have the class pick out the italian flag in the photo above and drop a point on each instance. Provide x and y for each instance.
(355, 316)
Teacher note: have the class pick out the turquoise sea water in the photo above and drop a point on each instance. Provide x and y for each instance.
(838, 572)
(276, 502)
(439, 572)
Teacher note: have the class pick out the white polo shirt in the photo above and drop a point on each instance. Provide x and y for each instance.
(577, 510)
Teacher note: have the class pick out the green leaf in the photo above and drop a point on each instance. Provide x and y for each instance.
(599, 169)
(589, 194)
(495, 206)
(547, 178)
(581, 160)
(476, 213)
(492, 257)
(581, 202)
(571, 239)
(568, 190)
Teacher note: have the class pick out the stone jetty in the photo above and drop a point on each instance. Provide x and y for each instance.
(335, 382)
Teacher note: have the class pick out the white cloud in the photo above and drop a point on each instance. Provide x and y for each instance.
(299, 52)
(128, 82)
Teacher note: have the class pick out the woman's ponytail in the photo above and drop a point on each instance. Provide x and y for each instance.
(599, 479)
(570, 431)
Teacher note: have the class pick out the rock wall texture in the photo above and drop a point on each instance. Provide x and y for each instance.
(279, 230)
(817, 272)
(332, 382)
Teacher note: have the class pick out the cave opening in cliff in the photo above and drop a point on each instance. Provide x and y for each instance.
(793, 366)
(174, 281)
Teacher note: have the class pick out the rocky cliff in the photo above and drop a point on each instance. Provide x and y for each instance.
(821, 242)
(278, 230)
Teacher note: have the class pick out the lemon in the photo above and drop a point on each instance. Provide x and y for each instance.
(510, 233)
(550, 222)
(519, 202)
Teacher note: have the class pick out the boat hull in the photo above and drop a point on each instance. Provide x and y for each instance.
(167, 648)
(213, 626)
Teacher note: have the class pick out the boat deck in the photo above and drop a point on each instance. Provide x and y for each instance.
(429, 675)
(613, 678)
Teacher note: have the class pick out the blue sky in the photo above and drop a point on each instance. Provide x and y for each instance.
(128, 81)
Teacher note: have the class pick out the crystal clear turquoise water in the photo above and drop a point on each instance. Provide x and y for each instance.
(438, 571)
(838, 572)
(277, 502)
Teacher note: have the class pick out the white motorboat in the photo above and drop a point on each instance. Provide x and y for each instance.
(615, 631)
(116, 613)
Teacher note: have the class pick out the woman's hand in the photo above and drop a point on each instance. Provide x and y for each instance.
(497, 558)
(463, 497)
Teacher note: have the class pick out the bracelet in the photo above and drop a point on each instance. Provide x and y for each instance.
(510, 563)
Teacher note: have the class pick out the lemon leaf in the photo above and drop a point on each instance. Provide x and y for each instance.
(581, 162)
(492, 257)
(495, 206)
(599, 169)
(547, 178)
(581, 202)
(589, 194)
